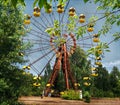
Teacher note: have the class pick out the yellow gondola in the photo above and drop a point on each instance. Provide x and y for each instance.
(82, 18)
(71, 11)
(60, 8)
(36, 11)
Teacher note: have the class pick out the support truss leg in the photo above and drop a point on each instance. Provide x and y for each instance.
(53, 75)
(71, 76)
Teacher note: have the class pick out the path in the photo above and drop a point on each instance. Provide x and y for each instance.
(58, 101)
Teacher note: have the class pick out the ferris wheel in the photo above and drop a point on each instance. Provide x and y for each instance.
(54, 35)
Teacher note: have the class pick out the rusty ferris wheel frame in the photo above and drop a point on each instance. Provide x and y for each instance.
(44, 43)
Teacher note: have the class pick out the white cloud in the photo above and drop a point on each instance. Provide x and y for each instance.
(112, 63)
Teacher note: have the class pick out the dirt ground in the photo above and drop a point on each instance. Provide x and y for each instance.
(58, 101)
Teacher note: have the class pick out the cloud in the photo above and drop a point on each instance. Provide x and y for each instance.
(112, 63)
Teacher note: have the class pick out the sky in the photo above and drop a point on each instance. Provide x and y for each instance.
(110, 58)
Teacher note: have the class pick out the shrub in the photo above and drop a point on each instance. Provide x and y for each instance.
(98, 93)
(108, 94)
(86, 96)
(70, 95)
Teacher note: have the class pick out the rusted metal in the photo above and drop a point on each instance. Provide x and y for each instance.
(61, 61)
(54, 74)
(64, 67)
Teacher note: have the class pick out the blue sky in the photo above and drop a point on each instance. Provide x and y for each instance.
(110, 58)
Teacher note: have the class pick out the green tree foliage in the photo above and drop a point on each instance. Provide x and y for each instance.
(80, 66)
(101, 83)
(32, 85)
(111, 10)
(59, 84)
(48, 72)
(41, 3)
(115, 81)
(14, 3)
(27, 84)
(11, 45)
(102, 80)
(106, 84)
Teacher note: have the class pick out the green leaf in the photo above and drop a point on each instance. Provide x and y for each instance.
(99, 8)
(118, 22)
(117, 36)
(80, 31)
(41, 3)
(60, 1)
(64, 1)
(14, 2)
(47, 6)
(86, 1)
(35, 2)
(49, 31)
(22, 2)
(107, 50)
(95, 1)
(77, 37)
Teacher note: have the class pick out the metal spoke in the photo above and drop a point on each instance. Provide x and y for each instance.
(38, 49)
(39, 36)
(47, 64)
(46, 19)
(37, 22)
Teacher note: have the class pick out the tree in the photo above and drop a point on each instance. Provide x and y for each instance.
(80, 66)
(115, 81)
(105, 84)
(11, 51)
(101, 84)
(102, 80)
(41, 3)
(111, 10)
(14, 2)
(48, 72)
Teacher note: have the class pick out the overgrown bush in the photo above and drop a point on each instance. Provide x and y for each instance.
(70, 95)
(11, 103)
(86, 96)
(108, 94)
(97, 93)
(100, 93)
